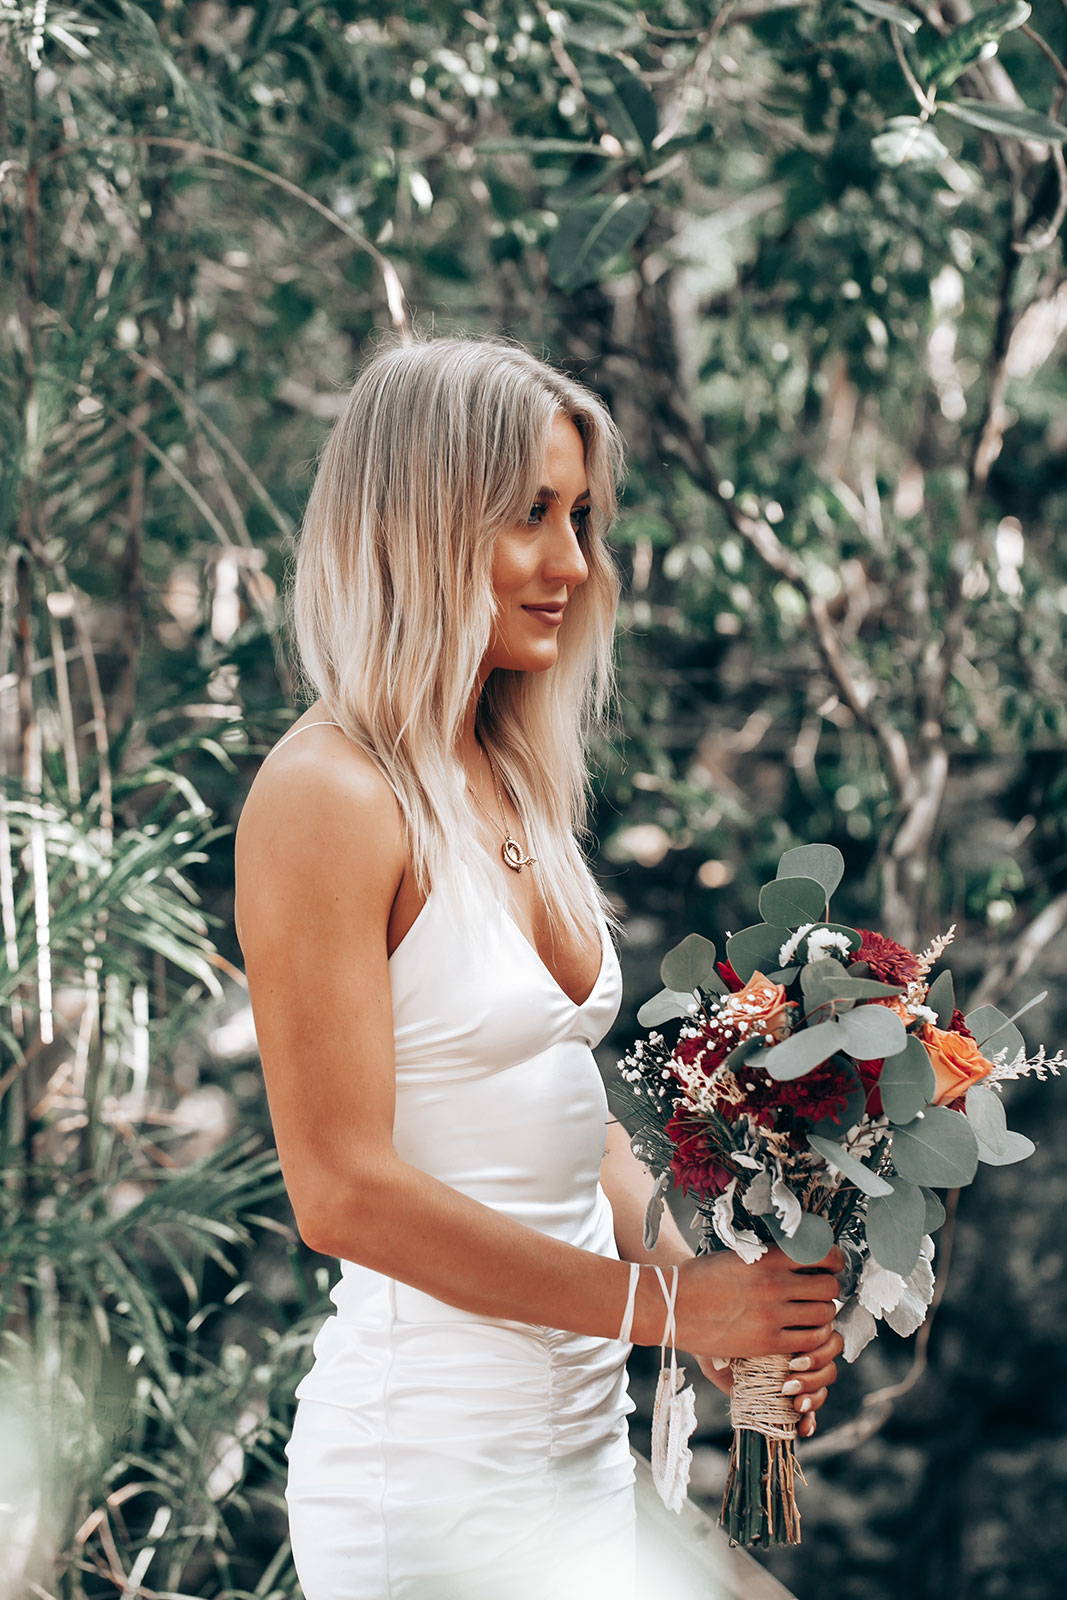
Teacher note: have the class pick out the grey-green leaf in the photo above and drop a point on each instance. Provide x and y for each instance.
(938, 1149)
(790, 902)
(998, 1145)
(935, 1211)
(690, 963)
(664, 1007)
(755, 949)
(871, 1031)
(896, 1223)
(993, 1031)
(854, 1170)
(823, 862)
(813, 1239)
(802, 1051)
(907, 1081)
(941, 998)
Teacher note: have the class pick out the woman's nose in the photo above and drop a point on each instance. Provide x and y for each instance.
(566, 563)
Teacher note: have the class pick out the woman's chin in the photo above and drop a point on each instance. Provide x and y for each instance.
(527, 660)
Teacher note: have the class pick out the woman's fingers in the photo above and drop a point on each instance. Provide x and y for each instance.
(821, 1355)
(808, 1403)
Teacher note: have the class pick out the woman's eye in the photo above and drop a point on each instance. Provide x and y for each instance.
(579, 516)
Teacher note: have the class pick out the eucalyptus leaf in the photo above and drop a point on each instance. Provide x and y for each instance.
(906, 1081)
(998, 1145)
(801, 1052)
(665, 1006)
(823, 862)
(935, 1211)
(896, 1223)
(755, 949)
(870, 1032)
(939, 1149)
(812, 1241)
(690, 964)
(994, 1031)
(790, 902)
(838, 1158)
(941, 998)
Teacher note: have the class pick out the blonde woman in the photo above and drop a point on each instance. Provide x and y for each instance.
(431, 964)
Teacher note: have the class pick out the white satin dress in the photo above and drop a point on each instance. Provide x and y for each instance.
(441, 1455)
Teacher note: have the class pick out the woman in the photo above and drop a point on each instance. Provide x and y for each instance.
(430, 964)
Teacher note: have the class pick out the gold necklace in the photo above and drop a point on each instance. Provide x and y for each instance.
(511, 850)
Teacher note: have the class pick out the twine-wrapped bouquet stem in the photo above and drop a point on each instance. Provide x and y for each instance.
(759, 1503)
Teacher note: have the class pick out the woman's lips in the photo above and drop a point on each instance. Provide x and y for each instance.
(554, 617)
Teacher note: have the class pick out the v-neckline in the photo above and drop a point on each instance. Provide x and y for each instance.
(579, 1005)
(531, 947)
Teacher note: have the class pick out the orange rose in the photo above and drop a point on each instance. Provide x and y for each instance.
(957, 1063)
(760, 1007)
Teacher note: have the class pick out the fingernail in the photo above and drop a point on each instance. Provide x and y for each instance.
(805, 1404)
(794, 1386)
(800, 1364)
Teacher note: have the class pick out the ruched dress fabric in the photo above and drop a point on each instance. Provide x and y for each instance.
(441, 1455)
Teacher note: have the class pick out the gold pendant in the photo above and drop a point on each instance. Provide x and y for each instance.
(511, 850)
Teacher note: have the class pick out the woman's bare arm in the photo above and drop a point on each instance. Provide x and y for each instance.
(628, 1185)
(320, 856)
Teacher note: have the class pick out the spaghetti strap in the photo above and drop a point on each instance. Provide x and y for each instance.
(294, 731)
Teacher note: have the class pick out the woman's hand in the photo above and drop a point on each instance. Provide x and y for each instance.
(771, 1306)
(814, 1382)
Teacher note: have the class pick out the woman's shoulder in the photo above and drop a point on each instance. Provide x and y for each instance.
(319, 793)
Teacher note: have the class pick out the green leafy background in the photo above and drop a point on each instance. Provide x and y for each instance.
(812, 256)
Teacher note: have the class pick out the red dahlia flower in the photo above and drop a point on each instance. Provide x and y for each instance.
(695, 1165)
(888, 961)
(823, 1092)
(703, 1049)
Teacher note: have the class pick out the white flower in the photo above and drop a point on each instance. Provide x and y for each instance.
(909, 1312)
(878, 1288)
(856, 1326)
(792, 944)
(787, 1206)
(917, 1010)
(741, 1240)
(901, 1301)
(823, 940)
(757, 1196)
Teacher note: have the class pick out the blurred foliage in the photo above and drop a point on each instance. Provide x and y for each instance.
(812, 256)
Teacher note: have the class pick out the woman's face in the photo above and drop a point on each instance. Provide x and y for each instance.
(540, 561)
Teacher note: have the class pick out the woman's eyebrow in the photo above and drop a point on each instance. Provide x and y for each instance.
(552, 494)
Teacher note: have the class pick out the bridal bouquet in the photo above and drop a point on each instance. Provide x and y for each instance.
(820, 1087)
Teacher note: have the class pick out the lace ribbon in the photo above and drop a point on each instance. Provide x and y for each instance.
(673, 1414)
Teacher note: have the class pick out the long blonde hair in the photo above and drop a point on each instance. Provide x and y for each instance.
(440, 445)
